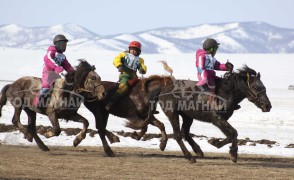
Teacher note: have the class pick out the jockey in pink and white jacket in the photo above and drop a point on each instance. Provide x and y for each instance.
(206, 64)
(55, 62)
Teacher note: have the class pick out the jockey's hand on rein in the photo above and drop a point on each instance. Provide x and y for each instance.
(119, 68)
(229, 65)
(58, 69)
(141, 71)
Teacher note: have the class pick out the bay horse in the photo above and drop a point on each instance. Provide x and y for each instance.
(134, 106)
(230, 91)
(66, 96)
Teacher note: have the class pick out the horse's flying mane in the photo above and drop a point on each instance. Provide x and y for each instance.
(245, 69)
(77, 77)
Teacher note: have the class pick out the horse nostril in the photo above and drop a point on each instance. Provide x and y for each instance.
(268, 107)
(104, 94)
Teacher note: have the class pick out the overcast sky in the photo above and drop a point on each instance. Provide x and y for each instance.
(108, 17)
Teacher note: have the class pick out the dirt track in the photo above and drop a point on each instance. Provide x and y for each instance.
(134, 163)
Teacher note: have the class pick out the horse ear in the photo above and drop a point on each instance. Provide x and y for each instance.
(258, 75)
(93, 67)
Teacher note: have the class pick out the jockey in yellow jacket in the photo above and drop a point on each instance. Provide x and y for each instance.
(127, 63)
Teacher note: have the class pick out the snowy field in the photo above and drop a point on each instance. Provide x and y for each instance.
(276, 125)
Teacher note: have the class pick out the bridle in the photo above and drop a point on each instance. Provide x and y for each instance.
(253, 95)
(251, 92)
(92, 91)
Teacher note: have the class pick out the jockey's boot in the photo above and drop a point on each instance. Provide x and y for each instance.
(114, 98)
(42, 93)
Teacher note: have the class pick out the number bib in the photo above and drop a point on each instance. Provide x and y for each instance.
(209, 62)
(131, 61)
(59, 58)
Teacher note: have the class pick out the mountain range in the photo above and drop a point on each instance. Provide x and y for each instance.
(235, 37)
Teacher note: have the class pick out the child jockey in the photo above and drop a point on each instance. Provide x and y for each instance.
(55, 62)
(206, 64)
(127, 63)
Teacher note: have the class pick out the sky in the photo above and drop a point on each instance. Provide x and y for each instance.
(109, 17)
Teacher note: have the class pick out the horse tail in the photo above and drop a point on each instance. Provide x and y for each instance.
(153, 98)
(3, 98)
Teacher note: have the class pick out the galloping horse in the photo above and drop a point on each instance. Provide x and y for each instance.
(135, 107)
(230, 91)
(67, 94)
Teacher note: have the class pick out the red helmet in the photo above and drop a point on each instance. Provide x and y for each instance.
(135, 44)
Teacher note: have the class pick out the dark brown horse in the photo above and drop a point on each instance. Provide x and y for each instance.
(181, 99)
(135, 107)
(64, 101)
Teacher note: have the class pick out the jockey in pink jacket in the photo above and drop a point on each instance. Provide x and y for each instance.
(55, 63)
(206, 64)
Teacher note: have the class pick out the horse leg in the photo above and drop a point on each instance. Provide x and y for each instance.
(78, 118)
(174, 119)
(16, 122)
(101, 118)
(102, 132)
(55, 131)
(187, 122)
(32, 128)
(111, 137)
(138, 135)
(164, 137)
(231, 135)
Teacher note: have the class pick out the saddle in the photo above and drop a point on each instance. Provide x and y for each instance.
(42, 97)
(132, 82)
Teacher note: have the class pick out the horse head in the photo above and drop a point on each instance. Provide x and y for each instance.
(252, 87)
(85, 80)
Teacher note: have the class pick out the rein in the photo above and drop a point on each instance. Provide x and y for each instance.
(251, 92)
(79, 90)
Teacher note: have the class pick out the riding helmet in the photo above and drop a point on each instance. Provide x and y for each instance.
(59, 42)
(59, 37)
(135, 44)
(209, 43)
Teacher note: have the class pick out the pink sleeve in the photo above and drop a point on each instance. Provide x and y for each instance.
(219, 66)
(48, 62)
(67, 66)
(200, 61)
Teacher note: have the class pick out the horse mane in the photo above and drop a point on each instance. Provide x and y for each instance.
(228, 78)
(76, 78)
(245, 70)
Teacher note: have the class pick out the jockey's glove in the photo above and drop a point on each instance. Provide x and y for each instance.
(119, 68)
(229, 65)
(142, 71)
(58, 69)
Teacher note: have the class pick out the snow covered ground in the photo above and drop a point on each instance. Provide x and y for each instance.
(276, 125)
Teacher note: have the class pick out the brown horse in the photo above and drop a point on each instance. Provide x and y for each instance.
(134, 106)
(63, 102)
(186, 102)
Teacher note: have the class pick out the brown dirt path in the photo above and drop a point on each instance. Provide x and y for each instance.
(29, 162)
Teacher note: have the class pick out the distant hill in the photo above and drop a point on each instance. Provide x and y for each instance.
(237, 37)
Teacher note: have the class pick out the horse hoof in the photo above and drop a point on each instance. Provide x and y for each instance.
(115, 140)
(76, 142)
(200, 154)
(28, 137)
(192, 160)
(45, 148)
(110, 153)
(214, 142)
(49, 134)
(234, 159)
(162, 145)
